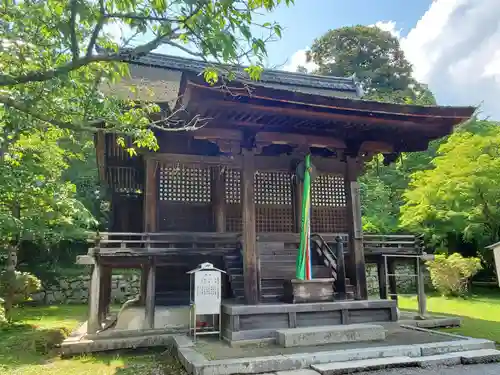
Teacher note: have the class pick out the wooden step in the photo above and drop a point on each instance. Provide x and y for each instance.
(349, 296)
(233, 257)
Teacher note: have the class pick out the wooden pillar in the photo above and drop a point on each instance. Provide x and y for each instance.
(393, 282)
(382, 278)
(150, 197)
(123, 211)
(100, 149)
(299, 193)
(105, 289)
(249, 237)
(150, 296)
(357, 271)
(144, 284)
(422, 298)
(93, 323)
(341, 277)
(219, 198)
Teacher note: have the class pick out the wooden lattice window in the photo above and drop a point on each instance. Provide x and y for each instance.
(328, 191)
(184, 184)
(273, 201)
(124, 180)
(328, 204)
(273, 188)
(233, 186)
(233, 200)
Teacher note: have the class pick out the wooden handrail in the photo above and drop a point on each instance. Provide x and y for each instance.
(326, 252)
(341, 284)
(127, 243)
(335, 258)
(391, 244)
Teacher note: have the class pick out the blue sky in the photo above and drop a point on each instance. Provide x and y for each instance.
(309, 19)
(454, 45)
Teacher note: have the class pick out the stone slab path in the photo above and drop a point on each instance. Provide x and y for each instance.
(486, 369)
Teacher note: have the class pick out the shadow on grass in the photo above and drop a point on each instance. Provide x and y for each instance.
(23, 344)
(65, 312)
(471, 327)
(29, 346)
(29, 349)
(145, 361)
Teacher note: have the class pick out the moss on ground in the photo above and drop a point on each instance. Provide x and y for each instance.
(29, 347)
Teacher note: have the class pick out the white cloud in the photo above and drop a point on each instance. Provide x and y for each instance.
(455, 49)
(115, 30)
(388, 26)
(299, 59)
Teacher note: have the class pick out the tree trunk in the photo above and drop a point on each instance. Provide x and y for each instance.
(10, 270)
(10, 279)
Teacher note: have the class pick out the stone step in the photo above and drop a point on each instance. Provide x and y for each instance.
(437, 348)
(480, 356)
(340, 368)
(467, 358)
(448, 359)
(321, 335)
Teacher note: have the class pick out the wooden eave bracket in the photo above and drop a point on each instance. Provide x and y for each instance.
(300, 141)
(228, 141)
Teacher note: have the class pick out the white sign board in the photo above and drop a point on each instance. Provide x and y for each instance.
(207, 292)
(496, 253)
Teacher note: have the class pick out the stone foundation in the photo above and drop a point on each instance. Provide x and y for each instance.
(405, 285)
(75, 290)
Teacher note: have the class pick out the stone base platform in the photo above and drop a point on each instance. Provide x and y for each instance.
(139, 339)
(450, 359)
(327, 360)
(430, 321)
(242, 323)
(322, 335)
(174, 317)
(128, 332)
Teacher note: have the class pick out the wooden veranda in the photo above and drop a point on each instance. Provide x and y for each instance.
(228, 193)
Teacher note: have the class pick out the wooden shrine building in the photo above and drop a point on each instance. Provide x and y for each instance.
(227, 193)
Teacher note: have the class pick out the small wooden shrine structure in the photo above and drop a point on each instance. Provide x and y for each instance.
(227, 193)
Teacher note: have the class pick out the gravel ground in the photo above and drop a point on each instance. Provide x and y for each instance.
(487, 369)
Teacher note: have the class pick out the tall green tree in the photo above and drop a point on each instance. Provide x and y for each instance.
(460, 194)
(55, 57)
(375, 57)
(383, 186)
(56, 54)
(36, 203)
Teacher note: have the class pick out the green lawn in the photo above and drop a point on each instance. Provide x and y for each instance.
(24, 348)
(480, 312)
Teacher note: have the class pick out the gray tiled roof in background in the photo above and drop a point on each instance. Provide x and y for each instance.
(348, 84)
